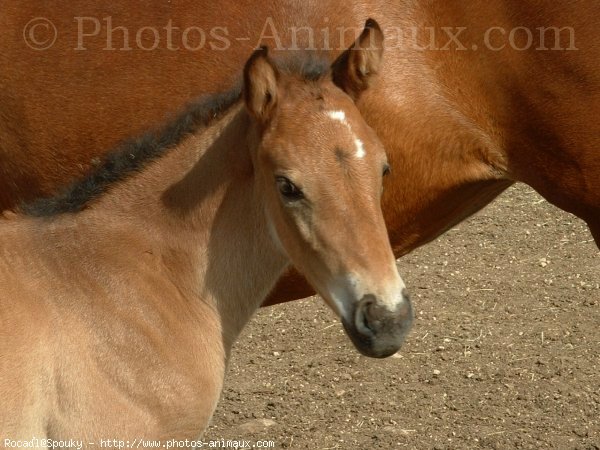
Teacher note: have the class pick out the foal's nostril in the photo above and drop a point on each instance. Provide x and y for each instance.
(362, 319)
(365, 321)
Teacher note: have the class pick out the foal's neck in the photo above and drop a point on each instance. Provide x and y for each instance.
(200, 203)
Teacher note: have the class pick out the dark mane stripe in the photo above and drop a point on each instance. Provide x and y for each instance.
(133, 155)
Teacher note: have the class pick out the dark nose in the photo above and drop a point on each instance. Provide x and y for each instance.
(379, 328)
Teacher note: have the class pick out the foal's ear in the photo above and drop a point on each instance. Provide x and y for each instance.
(355, 69)
(260, 85)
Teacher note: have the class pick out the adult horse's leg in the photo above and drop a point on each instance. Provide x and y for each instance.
(595, 230)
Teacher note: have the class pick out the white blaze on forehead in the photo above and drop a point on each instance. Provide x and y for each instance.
(360, 149)
(340, 116)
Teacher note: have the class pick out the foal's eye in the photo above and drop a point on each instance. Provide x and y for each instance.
(386, 170)
(288, 190)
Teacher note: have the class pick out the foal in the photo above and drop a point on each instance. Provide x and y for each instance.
(119, 306)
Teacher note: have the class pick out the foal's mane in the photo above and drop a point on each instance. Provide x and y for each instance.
(133, 155)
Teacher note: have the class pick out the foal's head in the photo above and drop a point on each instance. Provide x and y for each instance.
(319, 167)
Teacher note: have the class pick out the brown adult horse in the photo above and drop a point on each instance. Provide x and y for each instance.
(478, 95)
(116, 320)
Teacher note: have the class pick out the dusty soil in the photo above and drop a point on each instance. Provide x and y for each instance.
(505, 351)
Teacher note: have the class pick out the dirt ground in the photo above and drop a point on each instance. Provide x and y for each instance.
(504, 353)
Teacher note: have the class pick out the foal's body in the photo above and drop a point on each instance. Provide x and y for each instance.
(119, 306)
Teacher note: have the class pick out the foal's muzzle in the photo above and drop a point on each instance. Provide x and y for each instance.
(376, 329)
